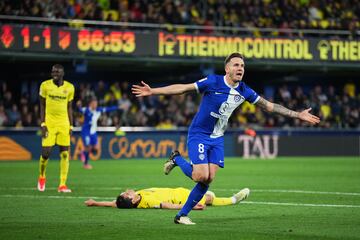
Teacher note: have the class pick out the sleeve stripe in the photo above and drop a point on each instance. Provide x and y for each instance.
(196, 87)
(256, 100)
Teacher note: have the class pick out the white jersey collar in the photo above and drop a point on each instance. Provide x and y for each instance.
(226, 83)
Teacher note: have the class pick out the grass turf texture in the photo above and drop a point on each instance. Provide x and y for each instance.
(28, 214)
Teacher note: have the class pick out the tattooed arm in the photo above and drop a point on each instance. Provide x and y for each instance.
(277, 108)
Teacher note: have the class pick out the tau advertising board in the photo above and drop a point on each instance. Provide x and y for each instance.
(269, 145)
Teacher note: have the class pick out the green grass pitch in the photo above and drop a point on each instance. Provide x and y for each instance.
(291, 198)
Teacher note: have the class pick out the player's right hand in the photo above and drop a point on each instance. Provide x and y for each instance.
(89, 202)
(199, 206)
(44, 132)
(141, 91)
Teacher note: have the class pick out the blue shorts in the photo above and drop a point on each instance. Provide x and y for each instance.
(89, 139)
(206, 150)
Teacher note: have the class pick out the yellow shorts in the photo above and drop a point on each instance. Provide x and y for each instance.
(58, 135)
(183, 194)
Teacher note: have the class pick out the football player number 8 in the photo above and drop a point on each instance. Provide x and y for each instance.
(201, 148)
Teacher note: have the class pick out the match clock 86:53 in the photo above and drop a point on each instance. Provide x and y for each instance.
(113, 42)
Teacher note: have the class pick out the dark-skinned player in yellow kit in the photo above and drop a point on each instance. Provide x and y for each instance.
(56, 96)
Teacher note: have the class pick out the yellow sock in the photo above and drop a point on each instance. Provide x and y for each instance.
(42, 166)
(64, 167)
(222, 201)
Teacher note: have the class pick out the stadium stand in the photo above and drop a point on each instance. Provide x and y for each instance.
(339, 108)
(278, 16)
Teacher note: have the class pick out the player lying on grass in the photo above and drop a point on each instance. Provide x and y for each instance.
(166, 198)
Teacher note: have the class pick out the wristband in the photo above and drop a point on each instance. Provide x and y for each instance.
(43, 124)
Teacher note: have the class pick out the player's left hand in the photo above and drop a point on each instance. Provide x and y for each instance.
(308, 117)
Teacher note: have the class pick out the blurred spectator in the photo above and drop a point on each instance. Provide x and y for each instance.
(3, 116)
(100, 92)
(350, 89)
(8, 101)
(125, 105)
(165, 124)
(28, 120)
(13, 115)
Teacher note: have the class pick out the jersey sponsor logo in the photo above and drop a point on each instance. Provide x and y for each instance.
(224, 106)
(55, 97)
(215, 115)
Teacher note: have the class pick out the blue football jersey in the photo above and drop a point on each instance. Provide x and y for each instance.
(218, 103)
(91, 117)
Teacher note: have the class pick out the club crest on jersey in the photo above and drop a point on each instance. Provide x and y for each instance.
(65, 91)
(201, 156)
(238, 98)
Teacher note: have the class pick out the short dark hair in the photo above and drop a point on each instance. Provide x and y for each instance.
(122, 202)
(58, 66)
(233, 55)
(92, 98)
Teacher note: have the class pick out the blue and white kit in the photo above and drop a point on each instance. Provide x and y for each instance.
(88, 130)
(205, 137)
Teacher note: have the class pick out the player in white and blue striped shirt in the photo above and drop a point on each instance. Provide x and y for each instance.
(89, 137)
(221, 96)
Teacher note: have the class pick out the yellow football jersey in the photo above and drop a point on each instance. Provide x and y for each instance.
(57, 98)
(153, 197)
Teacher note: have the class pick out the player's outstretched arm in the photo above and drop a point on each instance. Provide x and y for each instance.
(166, 205)
(93, 203)
(145, 90)
(304, 115)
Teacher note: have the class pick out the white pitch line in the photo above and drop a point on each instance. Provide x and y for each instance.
(302, 204)
(214, 189)
(245, 202)
(295, 191)
(48, 196)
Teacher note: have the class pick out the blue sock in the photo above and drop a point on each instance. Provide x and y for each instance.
(86, 154)
(195, 196)
(184, 165)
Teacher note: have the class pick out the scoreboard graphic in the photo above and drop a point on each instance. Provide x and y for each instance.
(114, 42)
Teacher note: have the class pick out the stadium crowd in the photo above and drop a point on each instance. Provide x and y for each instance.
(339, 108)
(282, 15)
